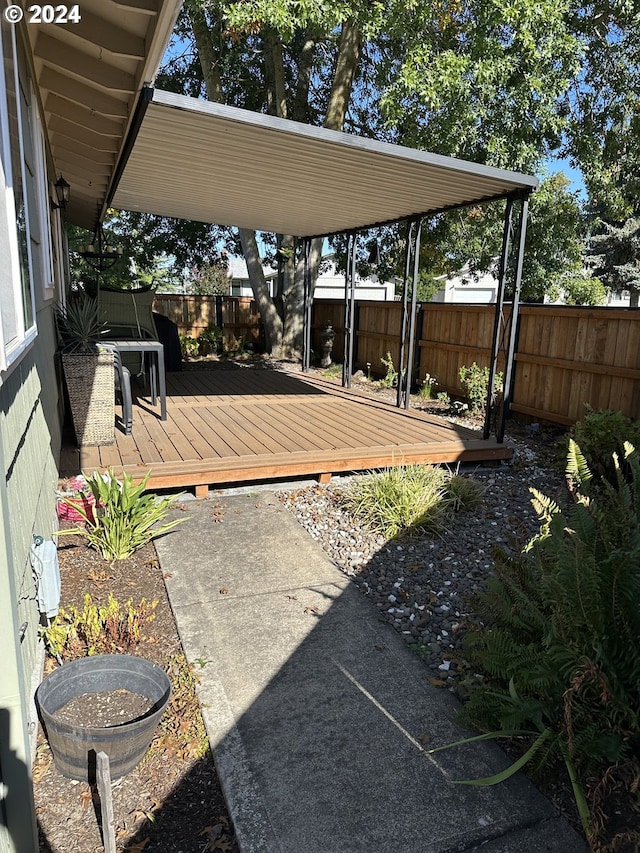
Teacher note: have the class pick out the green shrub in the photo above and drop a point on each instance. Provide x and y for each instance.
(560, 646)
(475, 381)
(411, 498)
(124, 519)
(210, 339)
(601, 434)
(189, 346)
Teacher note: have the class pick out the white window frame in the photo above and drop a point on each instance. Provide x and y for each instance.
(44, 208)
(58, 255)
(11, 352)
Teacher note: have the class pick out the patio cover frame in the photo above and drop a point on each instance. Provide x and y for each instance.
(194, 159)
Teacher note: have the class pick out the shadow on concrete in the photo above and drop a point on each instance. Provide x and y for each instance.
(319, 716)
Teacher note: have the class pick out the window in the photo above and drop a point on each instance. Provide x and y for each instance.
(18, 236)
(42, 225)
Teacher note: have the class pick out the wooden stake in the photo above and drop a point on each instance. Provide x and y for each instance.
(103, 779)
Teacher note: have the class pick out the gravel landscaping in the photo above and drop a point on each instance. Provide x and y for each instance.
(422, 584)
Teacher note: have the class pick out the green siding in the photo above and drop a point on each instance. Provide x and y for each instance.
(30, 435)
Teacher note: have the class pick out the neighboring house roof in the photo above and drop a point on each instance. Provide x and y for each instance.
(330, 283)
(89, 75)
(237, 269)
(193, 159)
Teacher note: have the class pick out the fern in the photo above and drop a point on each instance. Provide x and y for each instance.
(559, 625)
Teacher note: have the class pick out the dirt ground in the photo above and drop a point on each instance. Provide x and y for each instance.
(172, 801)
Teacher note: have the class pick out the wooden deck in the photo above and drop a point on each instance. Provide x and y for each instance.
(246, 424)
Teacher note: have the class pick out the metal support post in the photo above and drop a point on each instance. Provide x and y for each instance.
(499, 317)
(408, 318)
(412, 318)
(404, 318)
(509, 369)
(349, 309)
(306, 328)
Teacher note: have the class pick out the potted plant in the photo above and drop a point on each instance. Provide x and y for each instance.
(88, 371)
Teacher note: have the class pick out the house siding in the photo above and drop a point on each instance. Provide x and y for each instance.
(30, 439)
(30, 449)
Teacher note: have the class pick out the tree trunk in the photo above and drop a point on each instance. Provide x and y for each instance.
(271, 320)
(345, 71)
(305, 67)
(274, 74)
(283, 331)
(207, 53)
(343, 77)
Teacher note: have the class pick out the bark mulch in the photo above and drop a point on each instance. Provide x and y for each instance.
(172, 801)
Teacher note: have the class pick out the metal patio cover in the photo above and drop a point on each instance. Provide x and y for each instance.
(194, 159)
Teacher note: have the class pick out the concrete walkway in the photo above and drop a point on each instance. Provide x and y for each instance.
(318, 714)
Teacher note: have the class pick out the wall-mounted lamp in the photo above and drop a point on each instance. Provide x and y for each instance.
(63, 193)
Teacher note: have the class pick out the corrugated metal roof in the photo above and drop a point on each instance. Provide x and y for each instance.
(197, 160)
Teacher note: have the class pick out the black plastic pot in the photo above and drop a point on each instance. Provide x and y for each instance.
(75, 748)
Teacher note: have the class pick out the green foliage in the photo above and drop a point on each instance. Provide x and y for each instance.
(391, 376)
(463, 493)
(212, 338)
(95, 629)
(411, 498)
(333, 371)
(604, 123)
(189, 346)
(584, 290)
(475, 381)
(443, 397)
(241, 347)
(428, 285)
(125, 517)
(427, 387)
(558, 632)
(155, 249)
(600, 434)
(209, 280)
(614, 254)
(480, 81)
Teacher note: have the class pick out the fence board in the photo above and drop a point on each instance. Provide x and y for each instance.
(566, 357)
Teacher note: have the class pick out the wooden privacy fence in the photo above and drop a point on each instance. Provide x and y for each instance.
(566, 358)
(237, 315)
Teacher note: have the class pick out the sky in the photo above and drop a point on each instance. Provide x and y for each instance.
(554, 165)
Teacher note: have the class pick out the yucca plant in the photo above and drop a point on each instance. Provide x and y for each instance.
(558, 636)
(88, 371)
(79, 324)
(125, 517)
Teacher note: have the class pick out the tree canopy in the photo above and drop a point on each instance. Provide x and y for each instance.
(507, 83)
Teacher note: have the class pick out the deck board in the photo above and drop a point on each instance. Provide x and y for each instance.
(246, 424)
